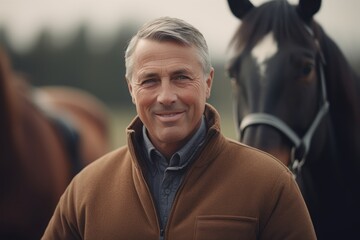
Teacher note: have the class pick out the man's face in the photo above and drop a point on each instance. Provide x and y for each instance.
(169, 89)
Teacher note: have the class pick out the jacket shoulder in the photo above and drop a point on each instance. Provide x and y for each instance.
(110, 166)
(251, 155)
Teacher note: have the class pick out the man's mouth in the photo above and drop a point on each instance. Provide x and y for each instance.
(169, 116)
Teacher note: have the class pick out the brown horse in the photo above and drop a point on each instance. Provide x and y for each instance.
(46, 136)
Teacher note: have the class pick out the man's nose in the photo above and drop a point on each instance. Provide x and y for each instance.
(167, 94)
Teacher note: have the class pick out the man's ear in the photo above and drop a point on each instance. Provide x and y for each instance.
(209, 82)
(130, 90)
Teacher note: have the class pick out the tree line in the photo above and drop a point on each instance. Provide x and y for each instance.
(77, 64)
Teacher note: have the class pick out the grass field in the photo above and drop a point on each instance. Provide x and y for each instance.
(120, 119)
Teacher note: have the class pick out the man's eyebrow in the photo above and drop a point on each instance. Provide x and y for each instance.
(180, 71)
(148, 75)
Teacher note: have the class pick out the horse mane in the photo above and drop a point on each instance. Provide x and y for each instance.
(343, 88)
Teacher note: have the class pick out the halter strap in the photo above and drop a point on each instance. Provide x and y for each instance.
(299, 143)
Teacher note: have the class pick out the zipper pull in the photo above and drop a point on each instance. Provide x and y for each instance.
(162, 234)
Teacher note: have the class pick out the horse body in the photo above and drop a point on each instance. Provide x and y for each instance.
(36, 157)
(296, 97)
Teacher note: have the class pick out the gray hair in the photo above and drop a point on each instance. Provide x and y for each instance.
(169, 29)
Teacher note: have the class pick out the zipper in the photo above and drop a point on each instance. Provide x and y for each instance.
(181, 187)
(160, 227)
(162, 231)
(140, 168)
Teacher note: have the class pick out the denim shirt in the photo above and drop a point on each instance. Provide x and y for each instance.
(164, 177)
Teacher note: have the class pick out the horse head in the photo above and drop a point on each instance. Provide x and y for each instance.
(277, 73)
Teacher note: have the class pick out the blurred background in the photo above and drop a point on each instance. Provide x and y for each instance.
(81, 43)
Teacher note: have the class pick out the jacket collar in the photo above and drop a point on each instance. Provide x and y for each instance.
(213, 142)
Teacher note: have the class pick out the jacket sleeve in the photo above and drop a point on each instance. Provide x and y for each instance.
(289, 218)
(64, 223)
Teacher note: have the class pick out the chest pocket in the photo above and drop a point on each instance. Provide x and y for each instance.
(225, 227)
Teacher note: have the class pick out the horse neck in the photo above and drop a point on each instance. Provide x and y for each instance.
(13, 91)
(344, 96)
(7, 111)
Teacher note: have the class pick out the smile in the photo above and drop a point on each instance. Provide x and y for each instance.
(169, 117)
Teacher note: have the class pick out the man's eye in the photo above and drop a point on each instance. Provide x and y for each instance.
(148, 82)
(181, 77)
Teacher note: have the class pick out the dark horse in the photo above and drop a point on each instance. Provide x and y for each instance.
(297, 98)
(46, 136)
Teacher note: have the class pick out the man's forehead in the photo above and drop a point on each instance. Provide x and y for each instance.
(160, 49)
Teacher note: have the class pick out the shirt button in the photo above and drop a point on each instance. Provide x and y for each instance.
(167, 191)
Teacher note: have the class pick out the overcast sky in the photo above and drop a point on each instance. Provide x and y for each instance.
(24, 19)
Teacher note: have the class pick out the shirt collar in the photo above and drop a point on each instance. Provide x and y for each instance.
(182, 157)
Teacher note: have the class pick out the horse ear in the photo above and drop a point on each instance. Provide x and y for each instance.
(240, 7)
(307, 8)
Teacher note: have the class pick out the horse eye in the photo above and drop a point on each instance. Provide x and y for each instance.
(232, 68)
(307, 69)
(231, 74)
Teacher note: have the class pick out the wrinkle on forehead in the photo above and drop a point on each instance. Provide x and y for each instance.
(264, 50)
(164, 58)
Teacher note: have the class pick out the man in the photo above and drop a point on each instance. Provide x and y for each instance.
(179, 178)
